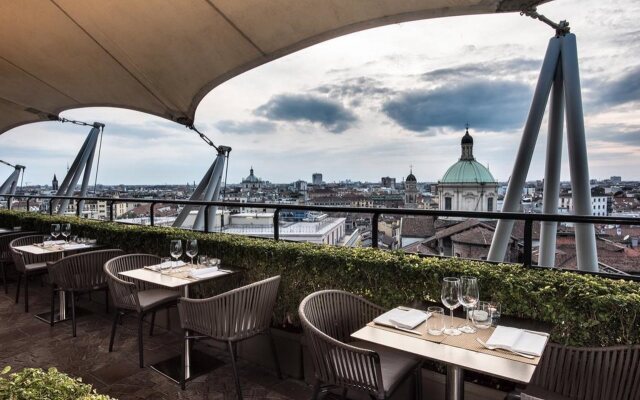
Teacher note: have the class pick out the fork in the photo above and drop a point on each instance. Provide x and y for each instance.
(507, 350)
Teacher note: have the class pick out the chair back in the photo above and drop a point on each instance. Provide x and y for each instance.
(590, 373)
(84, 271)
(235, 315)
(21, 259)
(124, 290)
(329, 317)
(5, 240)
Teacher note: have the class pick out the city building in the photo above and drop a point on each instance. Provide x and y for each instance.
(388, 182)
(467, 185)
(410, 191)
(54, 183)
(316, 178)
(599, 205)
(251, 183)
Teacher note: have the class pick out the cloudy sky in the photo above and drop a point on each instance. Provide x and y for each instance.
(372, 103)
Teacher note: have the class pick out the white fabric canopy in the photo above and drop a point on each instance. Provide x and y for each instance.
(163, 56)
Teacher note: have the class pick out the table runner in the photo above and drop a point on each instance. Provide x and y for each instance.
(465, 341)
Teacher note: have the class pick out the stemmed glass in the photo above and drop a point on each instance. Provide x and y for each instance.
(66, 231)
(469, 296)
(55, 231)
(192, 249)
(450, 297)
(176, 250)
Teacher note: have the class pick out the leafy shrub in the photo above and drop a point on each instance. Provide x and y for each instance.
(38, 384)
(583, 310)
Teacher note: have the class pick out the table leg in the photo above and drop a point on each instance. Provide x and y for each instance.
(196, 363)
(455, 383)
(60, 315)
(187, 345)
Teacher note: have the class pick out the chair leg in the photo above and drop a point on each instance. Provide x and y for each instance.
(4, 278)
(153, 322)
(106, 300)
(116, 317)
(140, 343)
(53, 303)
(316, 390)
(232, 350)
(26, 292)
(73, 312)
(18, 286)
(419, 382)
(275, 353)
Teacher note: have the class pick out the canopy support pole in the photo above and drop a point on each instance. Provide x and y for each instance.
(81, 166)
(560, 66)
(207, 190)
(11, 184)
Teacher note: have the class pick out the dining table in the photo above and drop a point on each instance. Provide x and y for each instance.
(194, 363)
(65, 248)
(458, 353)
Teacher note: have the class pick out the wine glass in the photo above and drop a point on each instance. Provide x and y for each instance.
(469, 296)
(450, 297)
(192, 249)
(176, 249)
(55, 231)
(66, 231)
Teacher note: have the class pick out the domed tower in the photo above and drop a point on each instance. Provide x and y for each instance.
(410, 190)
(467, 185)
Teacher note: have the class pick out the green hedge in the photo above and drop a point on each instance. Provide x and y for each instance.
(583, 310)
(38, 384)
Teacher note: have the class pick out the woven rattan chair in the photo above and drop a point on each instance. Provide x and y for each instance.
(329, 317)
(80, 273)
(29, 265)
(586, 373)
(5, 253)
(133, 296)
(236, 315)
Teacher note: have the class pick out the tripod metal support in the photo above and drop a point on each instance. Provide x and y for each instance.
(81, 167)
(560, 68)
(207, 190)
(11, 184)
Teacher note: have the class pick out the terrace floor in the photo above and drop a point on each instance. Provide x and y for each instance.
(28, 342)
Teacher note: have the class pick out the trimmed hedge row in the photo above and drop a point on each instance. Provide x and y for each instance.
(583, 310)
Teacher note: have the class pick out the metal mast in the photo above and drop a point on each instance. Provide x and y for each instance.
(559, 71)
(11, 184)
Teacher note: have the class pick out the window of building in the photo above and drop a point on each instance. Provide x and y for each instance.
(490, 204)
(447, 203)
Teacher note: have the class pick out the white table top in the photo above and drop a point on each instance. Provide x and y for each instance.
(157, 278)
(467, 359)
(5, 230)
(39, 250)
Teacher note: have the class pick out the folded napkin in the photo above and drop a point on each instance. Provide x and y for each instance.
(74, 246)
(53, 242)
(166, 265)
(204, 273)
(408, 319)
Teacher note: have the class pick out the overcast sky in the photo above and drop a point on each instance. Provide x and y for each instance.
(371, 104)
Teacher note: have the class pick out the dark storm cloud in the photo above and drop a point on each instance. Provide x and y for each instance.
(494, 105)
(615, 133)
(330, 114)
(355, 88)
(245, 127)
(480, 70)
(625, 88)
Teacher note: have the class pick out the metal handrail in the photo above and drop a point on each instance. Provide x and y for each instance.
(528, 218)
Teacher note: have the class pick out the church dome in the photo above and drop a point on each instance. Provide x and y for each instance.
(468, 171)
(411, 178)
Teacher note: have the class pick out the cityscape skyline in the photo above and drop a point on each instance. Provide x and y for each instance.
(355, 111)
